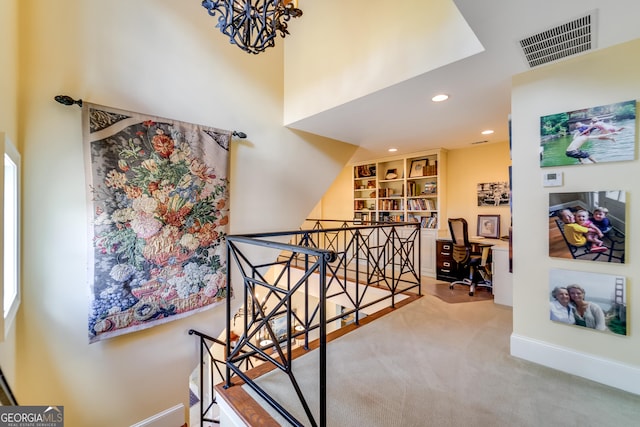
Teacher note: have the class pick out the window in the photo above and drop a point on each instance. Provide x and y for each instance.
(616, 195)
(10, 232)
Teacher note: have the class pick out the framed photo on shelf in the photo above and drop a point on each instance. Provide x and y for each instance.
(391, 174)
(489, 226)
(279, 326)
(417, 168)
(365, 171)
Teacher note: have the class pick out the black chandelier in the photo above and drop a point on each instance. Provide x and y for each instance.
(253, 25)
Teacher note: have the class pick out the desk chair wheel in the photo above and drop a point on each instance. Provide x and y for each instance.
(465, 282)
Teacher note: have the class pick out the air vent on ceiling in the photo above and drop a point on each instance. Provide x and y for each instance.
(565, 40)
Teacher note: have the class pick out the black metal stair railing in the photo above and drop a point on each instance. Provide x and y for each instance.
(314, 265)
(7, 397)
(390, 256)
(211, 367)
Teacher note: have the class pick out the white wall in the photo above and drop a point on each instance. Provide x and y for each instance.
(162, 57)
(599, 78)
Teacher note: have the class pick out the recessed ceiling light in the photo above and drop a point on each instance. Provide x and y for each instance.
(393, 150)
(487, 132)
(440, 98)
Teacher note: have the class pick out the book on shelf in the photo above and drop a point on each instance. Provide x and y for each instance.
(390, 204)
(414, 189)
(421, 204)
(390, 192)
(430, 188)
(359, 218)
(432, 168)
(429, 221)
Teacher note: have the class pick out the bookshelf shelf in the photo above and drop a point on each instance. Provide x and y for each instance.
(409, 186)
(406, 188)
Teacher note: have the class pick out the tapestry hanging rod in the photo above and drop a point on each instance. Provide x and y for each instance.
(67, 100)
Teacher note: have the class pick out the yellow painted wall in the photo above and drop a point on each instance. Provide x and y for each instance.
(164, 58)
(9, 132)
(371, 45)
(174, 63)
(337, 202)
(598, 78)
(9, 68)
(466, 167)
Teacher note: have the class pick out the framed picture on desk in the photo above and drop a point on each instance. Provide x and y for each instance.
(489, 226)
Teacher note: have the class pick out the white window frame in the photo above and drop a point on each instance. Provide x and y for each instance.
(10, 234)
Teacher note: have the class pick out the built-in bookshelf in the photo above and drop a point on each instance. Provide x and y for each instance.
(405, 189)
(365, 192)
(401, 189)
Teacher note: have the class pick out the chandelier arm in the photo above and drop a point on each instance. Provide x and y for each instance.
(252, 25)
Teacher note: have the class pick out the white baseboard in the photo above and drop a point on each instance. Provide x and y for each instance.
(604, 371)
(172, 417)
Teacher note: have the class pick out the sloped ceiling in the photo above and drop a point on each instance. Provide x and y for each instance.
(400, 114)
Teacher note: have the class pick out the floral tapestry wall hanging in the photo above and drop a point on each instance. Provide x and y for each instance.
(158, 216)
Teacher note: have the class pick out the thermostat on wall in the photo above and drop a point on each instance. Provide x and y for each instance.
(552, 179)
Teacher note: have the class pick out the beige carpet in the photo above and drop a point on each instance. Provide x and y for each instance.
(436, 364)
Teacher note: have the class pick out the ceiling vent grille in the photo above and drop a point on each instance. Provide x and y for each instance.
(565, 40)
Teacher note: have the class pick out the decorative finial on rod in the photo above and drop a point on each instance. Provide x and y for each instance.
(240, 135)
(67, 100)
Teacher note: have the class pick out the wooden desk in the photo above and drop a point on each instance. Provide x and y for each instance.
(447, 268)
(502, 277)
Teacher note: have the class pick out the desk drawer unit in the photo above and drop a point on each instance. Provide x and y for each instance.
(446, 267)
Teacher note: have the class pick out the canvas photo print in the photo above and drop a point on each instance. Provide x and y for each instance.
(590, 300)
(606, 133)
(493, 193)
(588, 226)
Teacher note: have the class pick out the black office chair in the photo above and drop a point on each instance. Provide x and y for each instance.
(472, 268)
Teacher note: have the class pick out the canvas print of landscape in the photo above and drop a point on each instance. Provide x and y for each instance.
(589, 300)
(592, 135)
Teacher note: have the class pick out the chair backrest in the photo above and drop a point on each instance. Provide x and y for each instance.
(460, 236)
